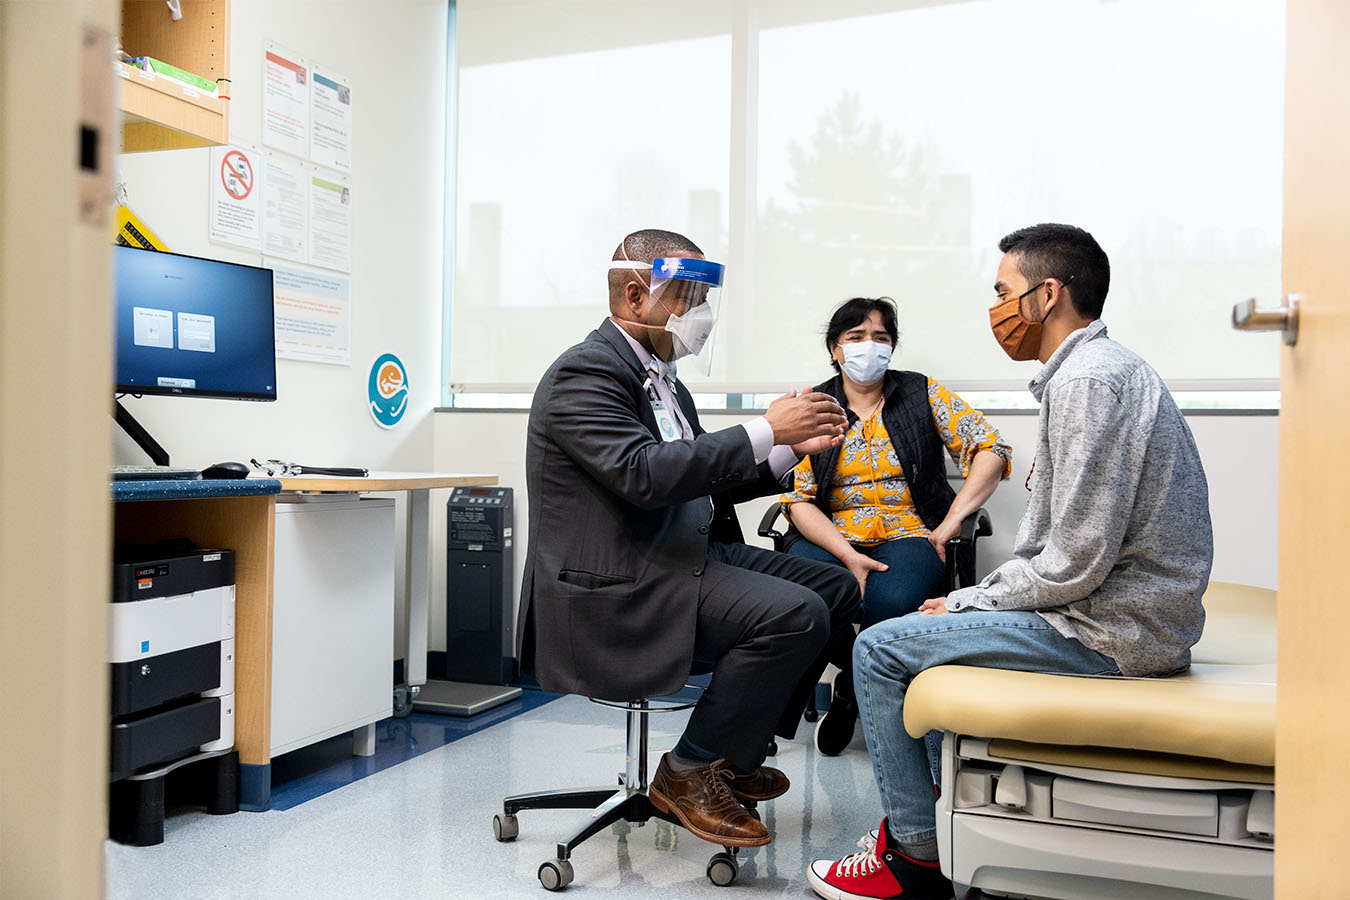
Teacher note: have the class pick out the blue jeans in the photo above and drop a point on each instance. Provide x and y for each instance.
(914, 575)
(887, 656)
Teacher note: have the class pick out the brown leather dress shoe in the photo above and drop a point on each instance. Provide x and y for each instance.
(703, 803)
(764, 783)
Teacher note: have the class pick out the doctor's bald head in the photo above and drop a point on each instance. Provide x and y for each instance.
(643, 247)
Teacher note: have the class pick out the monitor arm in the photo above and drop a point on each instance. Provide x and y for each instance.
(158, 455)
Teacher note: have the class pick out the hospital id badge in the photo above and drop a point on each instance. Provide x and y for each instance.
(665, 422)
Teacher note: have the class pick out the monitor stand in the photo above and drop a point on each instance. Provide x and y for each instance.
(158, 455)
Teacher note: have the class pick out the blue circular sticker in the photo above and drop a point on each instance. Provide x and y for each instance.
(388, 390)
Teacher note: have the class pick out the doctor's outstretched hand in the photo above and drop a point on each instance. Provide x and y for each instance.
(806, 420)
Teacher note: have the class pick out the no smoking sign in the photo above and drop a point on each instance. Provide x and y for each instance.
(236, 207)
(236, 173)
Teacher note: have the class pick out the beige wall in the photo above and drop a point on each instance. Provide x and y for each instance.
(55, 350)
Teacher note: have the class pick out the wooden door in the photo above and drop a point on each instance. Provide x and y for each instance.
(57, 140)
(1313, 712)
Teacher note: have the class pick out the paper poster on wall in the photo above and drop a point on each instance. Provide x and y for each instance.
(330, 223)
(285, 100)
(235, 207)
(330, 120)
(285, 205)
(313, 313)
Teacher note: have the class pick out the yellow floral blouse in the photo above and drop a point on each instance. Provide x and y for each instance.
(869, 499)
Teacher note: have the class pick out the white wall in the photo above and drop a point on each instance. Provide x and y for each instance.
(1240, 455)
(394, 53)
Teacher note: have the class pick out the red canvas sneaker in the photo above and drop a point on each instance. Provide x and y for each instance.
(878, 872)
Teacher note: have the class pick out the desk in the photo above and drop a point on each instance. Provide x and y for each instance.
(416, 558)
(241, 515)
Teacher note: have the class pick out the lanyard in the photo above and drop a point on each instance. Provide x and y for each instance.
(665, 418)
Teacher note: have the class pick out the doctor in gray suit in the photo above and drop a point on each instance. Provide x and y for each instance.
(636, 569)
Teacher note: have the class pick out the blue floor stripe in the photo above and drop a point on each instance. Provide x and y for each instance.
(328, 765)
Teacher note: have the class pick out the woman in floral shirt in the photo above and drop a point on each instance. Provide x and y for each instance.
(880, 505)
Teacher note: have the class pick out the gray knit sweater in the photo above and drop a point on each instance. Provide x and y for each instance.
(1115, 547)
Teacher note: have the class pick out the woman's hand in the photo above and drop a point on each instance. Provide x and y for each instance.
(803, 416)
(862, 565)
(950, 528)
(817, 444)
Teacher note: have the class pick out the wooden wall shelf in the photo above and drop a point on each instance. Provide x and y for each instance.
(159, 113)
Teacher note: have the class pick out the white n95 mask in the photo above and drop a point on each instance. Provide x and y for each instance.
(691, 330)
(865, 362)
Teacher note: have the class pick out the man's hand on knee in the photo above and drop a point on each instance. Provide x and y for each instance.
(935, 607)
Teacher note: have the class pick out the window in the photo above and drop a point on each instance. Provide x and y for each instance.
(830, 151)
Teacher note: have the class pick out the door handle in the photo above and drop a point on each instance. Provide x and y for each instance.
(1284, 318)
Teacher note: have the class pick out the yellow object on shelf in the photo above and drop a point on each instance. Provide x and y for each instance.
(132, 232)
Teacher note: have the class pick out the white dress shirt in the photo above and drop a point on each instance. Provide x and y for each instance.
(781, 457)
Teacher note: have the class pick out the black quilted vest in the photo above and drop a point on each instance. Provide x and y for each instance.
(909, 424)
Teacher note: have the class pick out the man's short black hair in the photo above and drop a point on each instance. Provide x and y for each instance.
(645, 246)
(852, 313)
(1063, 252)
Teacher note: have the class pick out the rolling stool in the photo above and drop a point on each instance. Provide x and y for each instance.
(629, 804)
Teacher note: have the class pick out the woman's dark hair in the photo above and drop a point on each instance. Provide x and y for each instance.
(852, 313)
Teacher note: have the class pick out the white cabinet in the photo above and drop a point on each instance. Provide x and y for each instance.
(332, 617)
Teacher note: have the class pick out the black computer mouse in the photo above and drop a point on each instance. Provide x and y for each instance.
(226, 470)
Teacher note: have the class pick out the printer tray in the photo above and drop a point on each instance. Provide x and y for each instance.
(164, 735)
(144, 683)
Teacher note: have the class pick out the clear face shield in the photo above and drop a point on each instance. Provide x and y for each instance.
(690, 290)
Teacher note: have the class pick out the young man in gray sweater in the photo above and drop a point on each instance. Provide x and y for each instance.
(1111, 559)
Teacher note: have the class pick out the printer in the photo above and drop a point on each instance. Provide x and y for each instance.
(171, 649)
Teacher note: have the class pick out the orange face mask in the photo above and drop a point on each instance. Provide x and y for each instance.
(1020, 339)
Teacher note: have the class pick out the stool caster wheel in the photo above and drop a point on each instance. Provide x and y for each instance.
(723, 869)
(505, 827)
(772, 749)
(555, 874)
(811, 715)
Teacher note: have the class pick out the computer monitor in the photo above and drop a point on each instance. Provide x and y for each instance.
(190, 327)
(193, 327)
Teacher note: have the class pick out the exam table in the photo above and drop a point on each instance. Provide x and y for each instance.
(1063, 786)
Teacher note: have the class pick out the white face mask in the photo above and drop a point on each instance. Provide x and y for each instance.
(865, 362)
(691, 330)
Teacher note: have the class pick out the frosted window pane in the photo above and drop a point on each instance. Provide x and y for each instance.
(561, 155)
(889, 153)
(896, 149)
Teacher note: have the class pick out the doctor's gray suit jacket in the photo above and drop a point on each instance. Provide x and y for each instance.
(619, 525)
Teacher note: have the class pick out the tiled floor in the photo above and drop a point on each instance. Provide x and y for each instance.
(417, 822)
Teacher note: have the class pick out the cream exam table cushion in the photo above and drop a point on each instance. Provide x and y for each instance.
(1222, 708)
(1239, 625)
